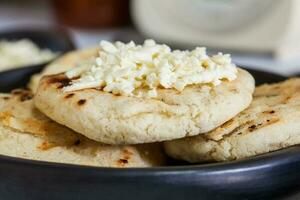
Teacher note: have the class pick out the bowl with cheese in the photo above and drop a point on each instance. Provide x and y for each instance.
(29, 50)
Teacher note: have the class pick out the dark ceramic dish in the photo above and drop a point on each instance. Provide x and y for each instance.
(269, 176)
(56, 39)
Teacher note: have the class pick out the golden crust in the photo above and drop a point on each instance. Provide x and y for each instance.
(27, 133)
(271, 122)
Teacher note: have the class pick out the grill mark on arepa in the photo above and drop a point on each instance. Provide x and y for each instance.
(26, 97)
(61, 81)
(219, 132)
(269, 112)
(265, 123)
(286, 100)
(77, 142)
(58, 79)
(126, 156)
(62, 85)
(122, 162)
(22, 94)
(266, 95)
(69, 95)
(81, 102)
(248, 125)
(218, 136)
(227, 124)
(44, 146)
(127, 152)
(254, 127)
(5, 117)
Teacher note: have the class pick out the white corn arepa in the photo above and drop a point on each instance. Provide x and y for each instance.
(64, 63)
(271, 122)
(27, 133)
(113, 119)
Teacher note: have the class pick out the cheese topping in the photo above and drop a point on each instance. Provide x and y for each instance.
(139, 70)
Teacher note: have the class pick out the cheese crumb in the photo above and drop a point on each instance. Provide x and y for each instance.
(139, 70)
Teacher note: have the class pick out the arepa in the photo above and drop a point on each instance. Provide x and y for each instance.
(27, 133)
(272, 122)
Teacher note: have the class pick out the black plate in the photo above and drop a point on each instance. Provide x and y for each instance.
(56, 39)
(269, 176)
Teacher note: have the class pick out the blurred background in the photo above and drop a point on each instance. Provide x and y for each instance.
(259, 34)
